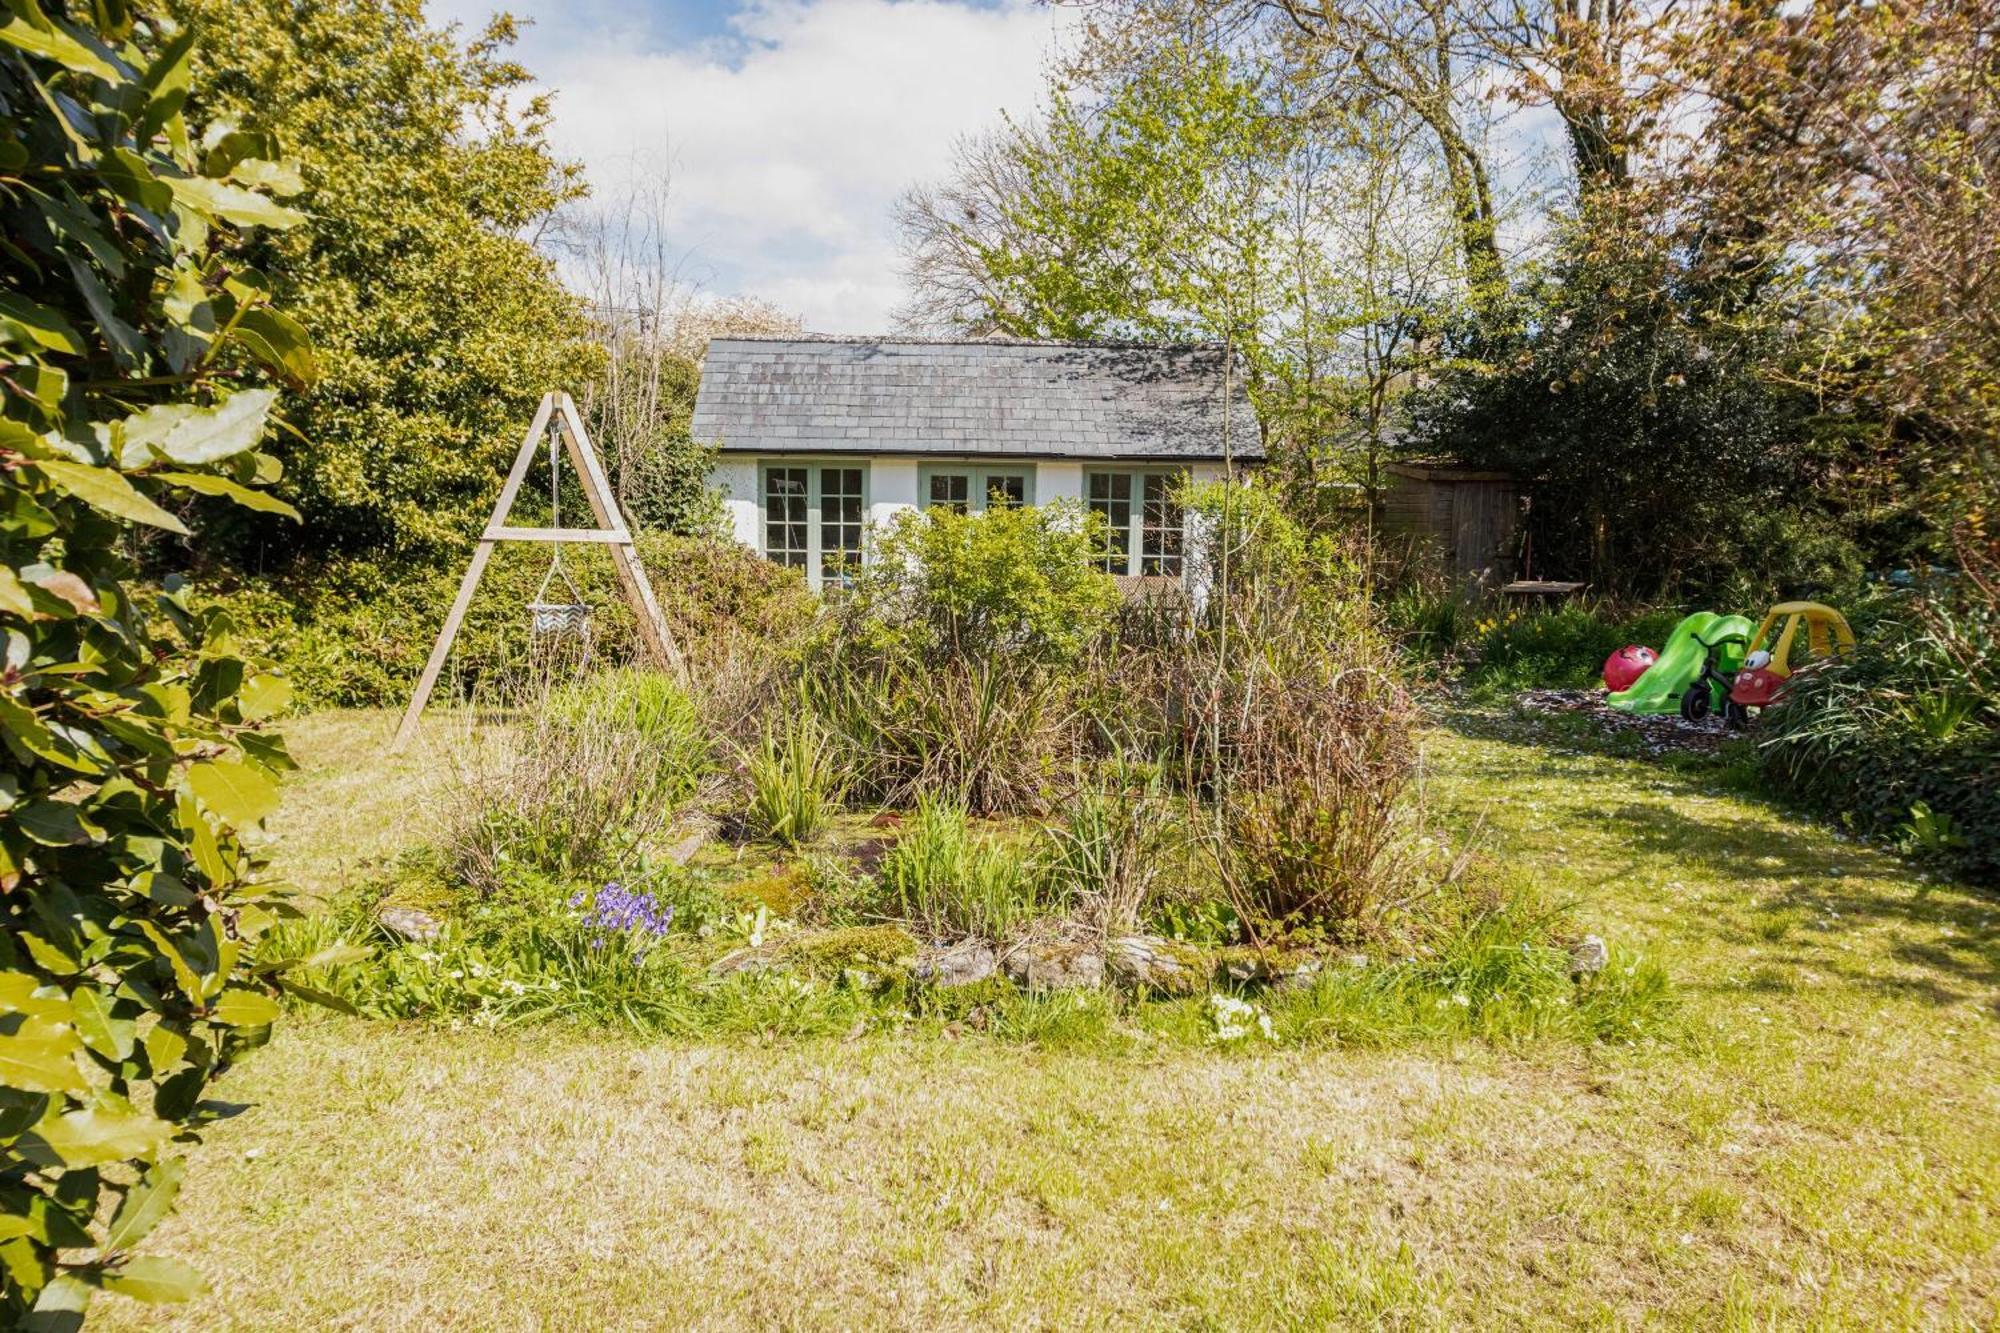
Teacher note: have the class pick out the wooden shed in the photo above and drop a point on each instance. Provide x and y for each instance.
(1469, 518)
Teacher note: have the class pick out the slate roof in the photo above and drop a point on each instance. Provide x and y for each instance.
(972, 398)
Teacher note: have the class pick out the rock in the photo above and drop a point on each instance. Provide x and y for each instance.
(743, 960)
(963, 964)
(1354, 959)
(1299, 976)
(684, 851)
(1587, 957)
(1054, 965)
(408, 923)
(1156, 964)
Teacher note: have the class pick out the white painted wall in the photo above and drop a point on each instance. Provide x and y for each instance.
(1054, 481)
(892, 489)
(735, 480)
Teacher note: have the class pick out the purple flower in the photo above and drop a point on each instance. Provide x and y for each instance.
(617, 909)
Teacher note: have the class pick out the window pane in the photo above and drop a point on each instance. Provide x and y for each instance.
(951, 490)
(1111, 495)
(1005, 488)
(1161, 527)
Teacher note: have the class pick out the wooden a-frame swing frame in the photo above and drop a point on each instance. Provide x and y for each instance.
(611, 531)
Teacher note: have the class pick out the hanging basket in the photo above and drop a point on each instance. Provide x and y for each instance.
(547, 618)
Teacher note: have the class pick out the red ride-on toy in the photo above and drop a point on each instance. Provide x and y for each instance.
(1623, 668)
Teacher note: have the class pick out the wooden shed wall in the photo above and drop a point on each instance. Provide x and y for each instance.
(1469, 520)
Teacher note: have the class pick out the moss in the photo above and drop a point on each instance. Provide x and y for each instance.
(885, 952)
(1246, 962)
(783, 891)
(953, 1003)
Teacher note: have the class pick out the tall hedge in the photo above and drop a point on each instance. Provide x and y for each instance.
(135, 346)
(439, 322)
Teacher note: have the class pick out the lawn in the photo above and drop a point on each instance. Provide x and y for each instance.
(1815, 1141)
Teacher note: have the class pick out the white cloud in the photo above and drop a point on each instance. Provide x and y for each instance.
(790, 136)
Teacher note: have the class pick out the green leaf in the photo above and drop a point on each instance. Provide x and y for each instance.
(13, 597)
(94, 1137)
(101, 488)
(236, 791)
(155, 1279)
(146, 1205)
(232, 203)
(40, 1058)
(210, 434)
(246, 1009)
(164, 1049)
(204, 483)
(184, 976)
(265, 694)
(314, 995)
(278, 178)
(131, 177)
(109, 1036)
(52, 42)
(30, 323)
(280, 342)
(144, 434)
(167, 82)
(57, 824)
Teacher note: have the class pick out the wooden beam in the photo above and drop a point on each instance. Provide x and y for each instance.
(624, 558)
(597, 535)
(470, 583)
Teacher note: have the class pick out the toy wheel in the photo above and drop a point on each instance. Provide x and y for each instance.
(1696, 703)
(1735, 714)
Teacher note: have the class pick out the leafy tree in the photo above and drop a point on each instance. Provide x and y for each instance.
(439, 322)
(1661, 456)
(132, 334)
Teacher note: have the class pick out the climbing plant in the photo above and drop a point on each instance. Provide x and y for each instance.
(137, 357)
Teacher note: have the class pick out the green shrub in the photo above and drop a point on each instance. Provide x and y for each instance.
(796, 785)
(1901, 740)
(1000, 734)
(595, 772)
(943, 877)
(136, 760)
(1514, 648)
(1016, 579)
(356, 633)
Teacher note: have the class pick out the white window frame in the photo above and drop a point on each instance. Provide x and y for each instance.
(815, 517)
(1135, 524)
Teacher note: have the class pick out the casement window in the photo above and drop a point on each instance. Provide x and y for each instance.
(1146, 530)
(973, 490)
(813, 519)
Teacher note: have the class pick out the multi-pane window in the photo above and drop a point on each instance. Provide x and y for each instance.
(973, 490)
(1146, 532)
(839, 523)
(813, 519)
(785, 508)
(1110, 494)
(951, 490)
(1161, 526)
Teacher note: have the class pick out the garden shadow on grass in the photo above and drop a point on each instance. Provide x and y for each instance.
(1820, 883)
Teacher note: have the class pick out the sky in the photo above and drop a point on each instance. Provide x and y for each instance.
(788, 127)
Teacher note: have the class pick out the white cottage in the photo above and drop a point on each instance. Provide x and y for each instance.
(821, 439)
